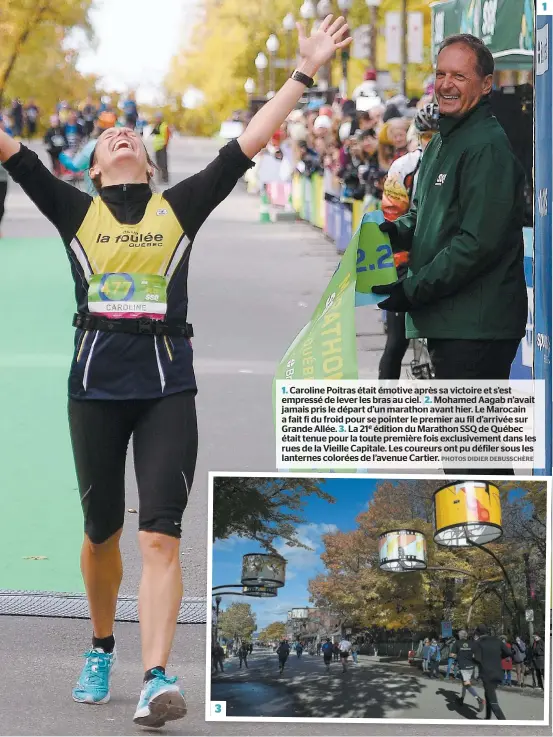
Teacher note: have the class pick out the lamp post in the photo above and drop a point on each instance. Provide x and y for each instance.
(307, 10)
(289, 25)
(249, 87)
(404, 47)
(273, 46)
(324, 8)
(218, 601)
(345, 7)
(261, 64)
(373, 5)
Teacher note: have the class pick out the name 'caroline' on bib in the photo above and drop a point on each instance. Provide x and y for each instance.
(128, 295)
(129, 267)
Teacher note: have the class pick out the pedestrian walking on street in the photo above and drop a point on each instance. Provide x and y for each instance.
(243, 654)
(3, 186)
(55, 142)
(465, 291)
(462, 652)
(488, 652)
(31, 118)
(283, 651)
(299, 649)
(345, 650)
(17, 116)
(507, 663)
(132, 371)
(434, 658)
(451, 671)
(538, 659)
(354, 652)
(425, 656)
(218, 657)
(336, 652)
(519, 650)
(318, 648)
(328, 651)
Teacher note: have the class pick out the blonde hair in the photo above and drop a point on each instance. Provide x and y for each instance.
(413, 135)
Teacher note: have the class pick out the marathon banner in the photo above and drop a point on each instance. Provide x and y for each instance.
(326, 347)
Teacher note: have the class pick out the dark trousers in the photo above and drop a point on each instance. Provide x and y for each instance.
(55, 160)
(3, 192)
(396, 345)
(162, 165)
(490, 360)
(492, 705)
(434, 668)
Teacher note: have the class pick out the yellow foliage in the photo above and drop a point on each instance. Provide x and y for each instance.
(230, 34)
(33, 62)
(355, 587)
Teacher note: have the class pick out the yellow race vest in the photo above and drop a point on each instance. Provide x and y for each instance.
(129, 267)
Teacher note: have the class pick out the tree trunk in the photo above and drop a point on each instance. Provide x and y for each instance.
(19, 43)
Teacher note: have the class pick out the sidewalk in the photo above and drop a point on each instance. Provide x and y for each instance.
(416, 671)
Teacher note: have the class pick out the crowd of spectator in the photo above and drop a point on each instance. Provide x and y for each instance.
(351, 147)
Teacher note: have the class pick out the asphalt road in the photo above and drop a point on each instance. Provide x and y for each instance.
(252, 288)
(369, 690)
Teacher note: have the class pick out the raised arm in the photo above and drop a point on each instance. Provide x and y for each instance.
(64, 206)
(315, 51)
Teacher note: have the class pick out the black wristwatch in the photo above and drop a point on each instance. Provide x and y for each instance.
(303, 78)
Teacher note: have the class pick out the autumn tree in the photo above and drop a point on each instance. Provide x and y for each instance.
(464, 584)
(274, 632)
(262, 509)
(237, 623)
(219, 54)
(39, 28)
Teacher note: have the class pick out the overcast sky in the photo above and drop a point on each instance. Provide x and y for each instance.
(137, 39)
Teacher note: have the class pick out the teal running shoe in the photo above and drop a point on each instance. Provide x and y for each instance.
(160, 701)
(94, 681)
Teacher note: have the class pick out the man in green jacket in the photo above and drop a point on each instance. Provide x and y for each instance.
(465, 291)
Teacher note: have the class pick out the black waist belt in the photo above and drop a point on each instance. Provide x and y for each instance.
(140, 326)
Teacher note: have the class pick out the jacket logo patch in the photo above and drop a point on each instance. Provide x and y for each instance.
(161, 212)
(440, 180)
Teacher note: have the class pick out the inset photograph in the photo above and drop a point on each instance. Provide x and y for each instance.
(402, 599)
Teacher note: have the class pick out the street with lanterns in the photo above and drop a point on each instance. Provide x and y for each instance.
(362, 606)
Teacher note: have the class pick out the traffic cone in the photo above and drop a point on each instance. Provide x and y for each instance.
(264, 213)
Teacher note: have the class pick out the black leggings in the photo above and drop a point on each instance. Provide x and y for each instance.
(3, 192)
(165, 445)
(395, 348)
(492, 705)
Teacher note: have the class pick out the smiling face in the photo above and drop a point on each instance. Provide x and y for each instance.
(120, 150)
(397, 132)
(459, 86)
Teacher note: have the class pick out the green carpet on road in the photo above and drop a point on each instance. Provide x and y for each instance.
(40, 522)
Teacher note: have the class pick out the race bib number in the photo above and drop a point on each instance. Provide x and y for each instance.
(129, 296)
(58, 141)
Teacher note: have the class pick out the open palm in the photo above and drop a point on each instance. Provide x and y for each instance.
(323, 43)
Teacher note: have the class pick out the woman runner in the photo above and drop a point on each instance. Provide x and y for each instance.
(132, 367)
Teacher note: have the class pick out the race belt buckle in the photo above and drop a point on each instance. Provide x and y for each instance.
(146, 326)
